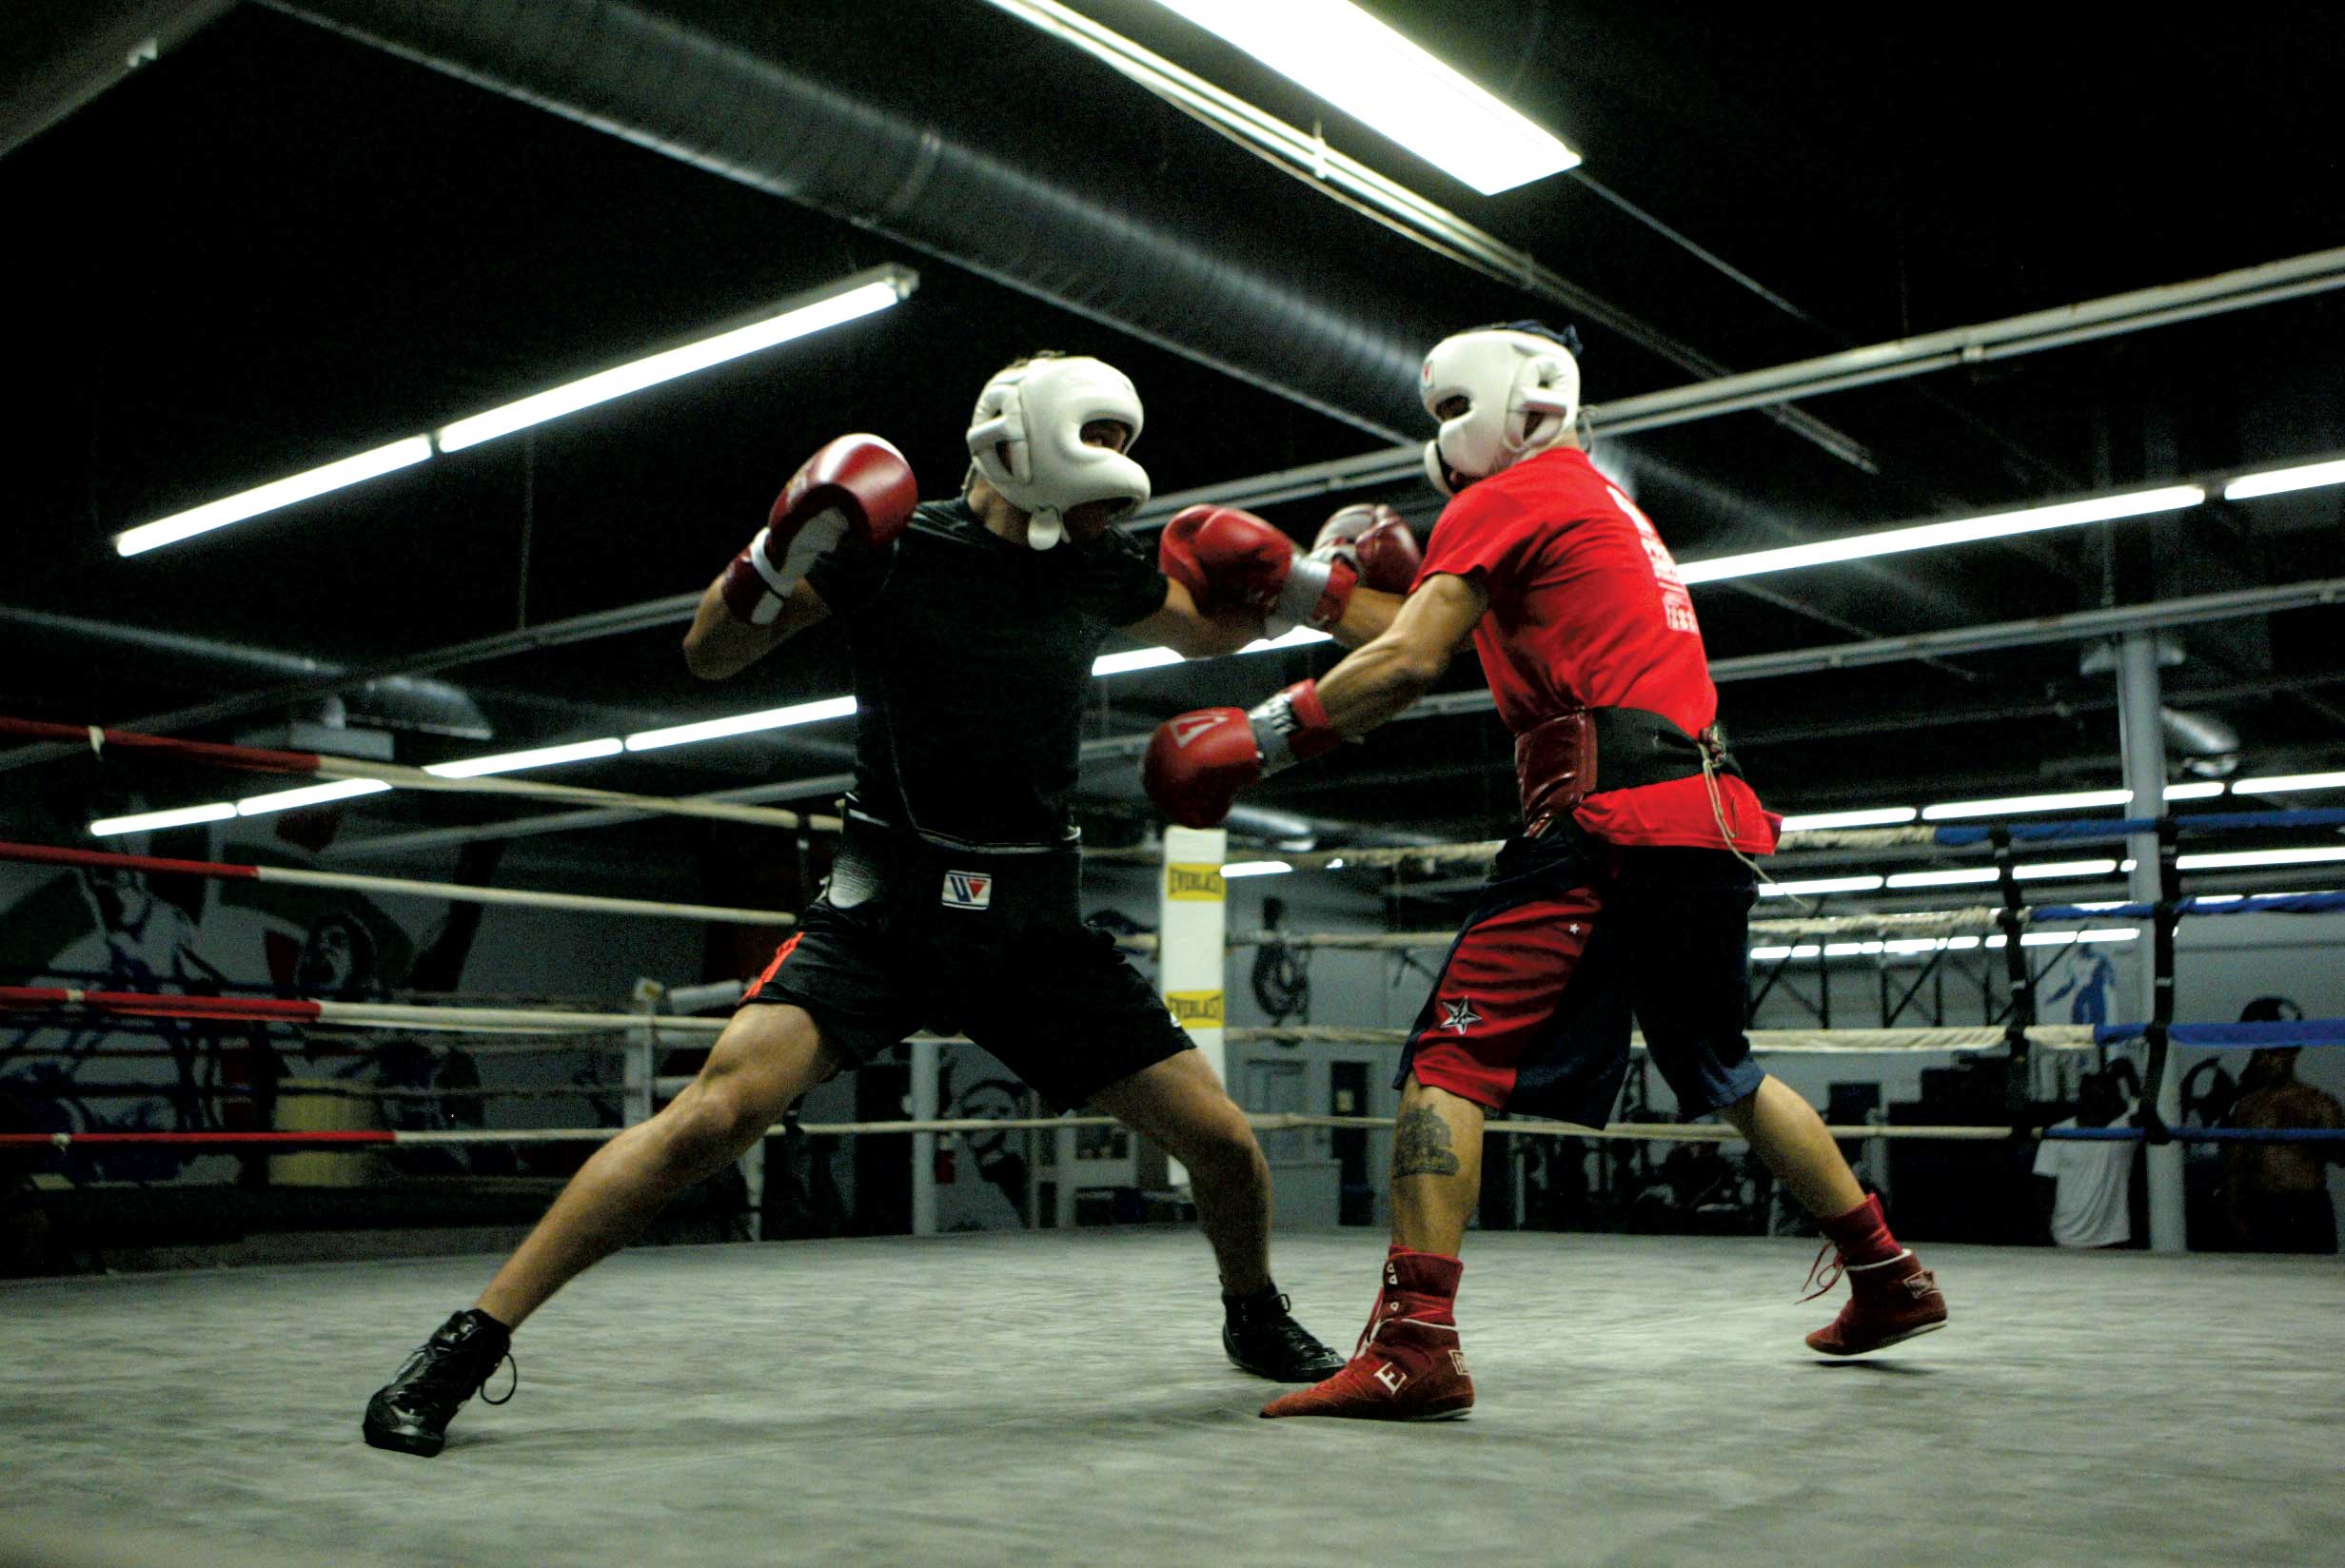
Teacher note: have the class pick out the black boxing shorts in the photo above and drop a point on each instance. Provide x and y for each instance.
(1574, 937)
(984, 940)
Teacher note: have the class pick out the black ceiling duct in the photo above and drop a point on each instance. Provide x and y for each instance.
(663, 86)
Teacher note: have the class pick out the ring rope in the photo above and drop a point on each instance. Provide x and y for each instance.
(1780, 1042)
(454, 891)
(1267, 1121)
(1433, 856)
(2310, 1032)
(259, 759)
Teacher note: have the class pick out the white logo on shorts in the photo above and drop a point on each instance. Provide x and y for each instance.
(1460, 1014)
(968, 890)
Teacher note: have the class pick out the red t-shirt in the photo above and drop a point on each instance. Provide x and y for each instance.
(1588, 610)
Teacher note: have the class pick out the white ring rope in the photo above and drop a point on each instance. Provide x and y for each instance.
(1780, 1042)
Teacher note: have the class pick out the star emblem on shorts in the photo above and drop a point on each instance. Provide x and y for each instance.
(1460, 1014)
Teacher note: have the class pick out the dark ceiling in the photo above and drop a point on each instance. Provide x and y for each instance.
(276, 246)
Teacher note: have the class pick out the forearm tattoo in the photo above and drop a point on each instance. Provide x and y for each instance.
(1421, 1145)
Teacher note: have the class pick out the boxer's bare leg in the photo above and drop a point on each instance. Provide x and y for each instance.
(1436, 1168)
(1178, 1104)
(1790, 1138)
(767, 1056)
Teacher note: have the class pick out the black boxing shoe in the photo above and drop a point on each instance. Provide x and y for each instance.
(1262, 1337)
(410, 1414)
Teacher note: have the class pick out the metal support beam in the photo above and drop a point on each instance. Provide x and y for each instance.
(2017, 335)
(2142, 737)
(61, 57)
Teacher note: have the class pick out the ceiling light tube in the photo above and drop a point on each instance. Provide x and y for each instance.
(308, 794)
(1133, 658)
(1958, 878)
(2018, 805)
(1256, 868)
(544, 756)
(2235, 860)
(2288, 783)
(2276, 481)
(856, 297)
(1869, 816)
(2204, 789)
(2050, 868)
(1818, 884)
(183, 816)
(740, 724)
(1373, 73)
(1931, 536)
(269, 496)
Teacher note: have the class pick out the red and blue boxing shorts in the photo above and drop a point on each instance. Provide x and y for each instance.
(1572, 938)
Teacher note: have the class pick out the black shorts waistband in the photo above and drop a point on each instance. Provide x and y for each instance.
(992, 887)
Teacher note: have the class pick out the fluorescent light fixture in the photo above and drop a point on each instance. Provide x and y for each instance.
(1916, 944)
(1256, 868)
(308, 794)
(1334, 865)
(1373, 73)
(544, 757)
(717, 729)
(1152, 658)
(2205, 788)
(2289, 783)
(854, 297)
(183, 816)
(2234, 859)
(1931, 536)
(846, 305)
(1302, 636)
(2274, 481)
(1133, 658)
(1954, 877)
(2062, 939)
(1870, 817)
(2063, 868)
(269, 496)
(2018, 805)
(1818, 884)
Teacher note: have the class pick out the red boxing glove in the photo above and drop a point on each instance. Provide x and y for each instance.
(856, 492)
(1233, 560)
(1376, 540)
(1198, 763)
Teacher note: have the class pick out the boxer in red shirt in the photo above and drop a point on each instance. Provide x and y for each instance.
(1628, 891)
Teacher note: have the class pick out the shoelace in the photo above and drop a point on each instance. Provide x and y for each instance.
(512, 1388)
(1829, 1276)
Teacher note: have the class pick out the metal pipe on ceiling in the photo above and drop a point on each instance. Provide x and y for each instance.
(2109, 316)
(61, 57)
(661, 84)
(2081, 626)
(1394, 204)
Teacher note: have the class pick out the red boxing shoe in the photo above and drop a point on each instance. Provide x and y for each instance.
(1408, 1365)
(1888, 1303)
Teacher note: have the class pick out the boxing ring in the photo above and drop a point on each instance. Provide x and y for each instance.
(1060, 1398)
(1059, 1395)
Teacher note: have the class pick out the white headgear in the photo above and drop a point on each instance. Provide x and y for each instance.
(1509, 378)
(1027, 438)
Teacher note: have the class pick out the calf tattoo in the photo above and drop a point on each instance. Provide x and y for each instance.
(1421, 1145)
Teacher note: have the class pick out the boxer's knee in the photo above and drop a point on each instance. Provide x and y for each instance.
(1220, 1144)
